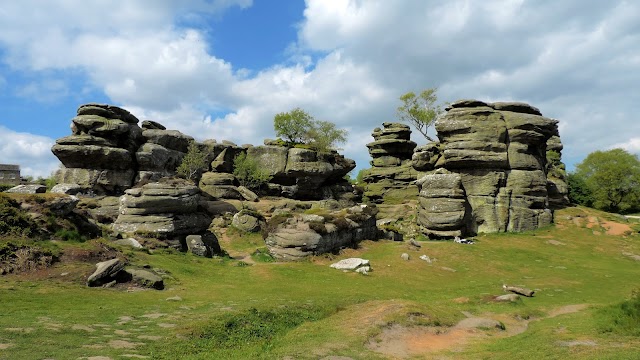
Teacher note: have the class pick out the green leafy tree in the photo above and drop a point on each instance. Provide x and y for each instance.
(294, 125)
(298, 127)
(421, 110)
(194, 163)
(249, 172)
(613, 178)
(579, 192)
(324, 135)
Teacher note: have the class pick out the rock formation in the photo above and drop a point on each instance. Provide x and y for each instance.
(391, 173)
(108, 152)
(100, 152)
(491, 170)
(166, 210)
(303, 173)
(301, 235)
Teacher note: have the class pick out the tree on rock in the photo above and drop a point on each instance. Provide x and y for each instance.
(249, 172)
(194, 163)
(613, 179)
(421, 110)
(294, 125)
(298, 127)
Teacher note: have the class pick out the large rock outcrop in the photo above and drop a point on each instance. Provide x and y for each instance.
(491, 170)
(166, 210)
(391, 174)
(108, 152)
(100, 152)
(303, 173)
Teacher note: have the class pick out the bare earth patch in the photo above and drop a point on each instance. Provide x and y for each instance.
(616, 229)
(153, 315)
(569, 309)
(555, 242)
(83, 327)
(5, 346)
(401, 342)
(123, 344)
(150, 337)
(631, 255)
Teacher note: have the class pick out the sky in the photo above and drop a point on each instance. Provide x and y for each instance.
(221, 69)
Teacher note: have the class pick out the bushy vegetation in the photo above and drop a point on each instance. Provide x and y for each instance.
(194, 163)
(5, 187)
(14, 221)
(607, 180)
(249, 172)
(298, 127)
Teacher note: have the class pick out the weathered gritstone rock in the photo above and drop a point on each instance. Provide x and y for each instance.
(100, 153)
(222, 154)
(220, 185)
(300, 235)
(442, 204)
(391, 173)
(302, 173)
(163, 209)
(495, 157)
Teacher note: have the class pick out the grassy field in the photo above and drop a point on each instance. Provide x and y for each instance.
(582, 269)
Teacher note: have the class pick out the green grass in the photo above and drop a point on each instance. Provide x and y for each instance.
(307, 310)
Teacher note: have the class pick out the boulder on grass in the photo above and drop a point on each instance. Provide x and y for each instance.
(106, 272)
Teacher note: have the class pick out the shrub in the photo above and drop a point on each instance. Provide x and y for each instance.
(249, 173)
(194, 163)
(15, 221)
(5, 187)
(69, 235)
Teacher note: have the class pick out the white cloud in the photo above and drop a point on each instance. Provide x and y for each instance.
(575, 61)
(31, 152)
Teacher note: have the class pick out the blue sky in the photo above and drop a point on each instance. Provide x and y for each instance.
(222, 69)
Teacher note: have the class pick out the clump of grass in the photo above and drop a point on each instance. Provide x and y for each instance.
(318, 227)
(622, 318)
(252, 332)
(262, 255)
(70, 235)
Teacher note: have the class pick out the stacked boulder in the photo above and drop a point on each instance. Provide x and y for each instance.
(108, 152)
(391, 170)
(557, 187)
(100, 153)
(161, 153)
(442, 204)
(298, 236)
(166, 210)
(303, 174)
(498, 152)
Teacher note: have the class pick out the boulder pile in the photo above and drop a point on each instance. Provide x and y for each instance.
(108, 152)
(391, 170)
(298, 236)
(491, 170)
